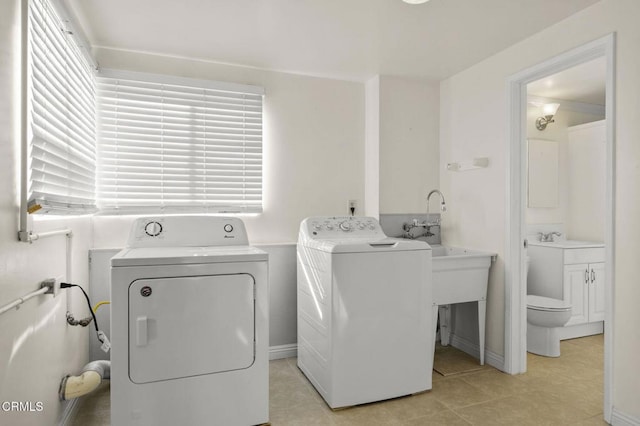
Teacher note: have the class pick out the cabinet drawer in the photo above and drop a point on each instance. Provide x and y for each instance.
(583, 255)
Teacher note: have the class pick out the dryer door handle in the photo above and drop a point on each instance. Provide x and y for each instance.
(382, 244)
(141, 331)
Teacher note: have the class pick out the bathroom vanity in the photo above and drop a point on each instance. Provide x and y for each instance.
(573, 271)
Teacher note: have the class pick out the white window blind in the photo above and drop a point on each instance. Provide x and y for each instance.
(171, 144)
(61, 118)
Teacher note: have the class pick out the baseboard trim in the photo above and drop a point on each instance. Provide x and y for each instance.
(283, 351)
(621, 419)
(581, 330)
(69, 412)
(471, 348)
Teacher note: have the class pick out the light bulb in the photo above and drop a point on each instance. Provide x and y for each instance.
(550, 109)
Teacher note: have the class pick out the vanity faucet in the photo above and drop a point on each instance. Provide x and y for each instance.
(548, 238)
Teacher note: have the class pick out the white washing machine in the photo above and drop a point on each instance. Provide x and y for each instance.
(189, 325)
(364, 311)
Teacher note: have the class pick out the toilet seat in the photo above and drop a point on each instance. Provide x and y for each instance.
(540, 303)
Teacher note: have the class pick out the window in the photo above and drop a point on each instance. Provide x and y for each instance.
(178, 145)
(61, 118)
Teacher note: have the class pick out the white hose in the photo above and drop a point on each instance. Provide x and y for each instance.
(92, 375)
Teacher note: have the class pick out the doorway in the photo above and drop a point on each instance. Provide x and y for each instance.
(515, 257)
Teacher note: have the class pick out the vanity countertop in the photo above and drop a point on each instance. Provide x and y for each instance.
(566, 244)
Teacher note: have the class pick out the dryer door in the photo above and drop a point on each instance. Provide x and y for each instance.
(190, 326)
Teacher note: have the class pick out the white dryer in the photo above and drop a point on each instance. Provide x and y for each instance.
(189, 325)
(364, 311)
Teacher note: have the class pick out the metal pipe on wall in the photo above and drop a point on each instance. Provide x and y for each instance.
(19, 301)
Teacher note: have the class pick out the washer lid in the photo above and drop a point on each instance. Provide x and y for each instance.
(547, 303)
(366, 245)
(149, 256)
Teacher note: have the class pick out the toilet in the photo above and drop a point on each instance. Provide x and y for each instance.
(545, 316)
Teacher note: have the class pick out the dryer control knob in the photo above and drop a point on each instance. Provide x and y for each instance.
(153, 229)
(345, 226)
(228, 228)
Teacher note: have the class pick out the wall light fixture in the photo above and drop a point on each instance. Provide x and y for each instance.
(548, 111)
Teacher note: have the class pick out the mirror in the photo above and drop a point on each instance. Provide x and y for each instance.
(542, 165)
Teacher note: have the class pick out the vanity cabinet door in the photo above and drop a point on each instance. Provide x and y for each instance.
(576, 291)
(596, 292)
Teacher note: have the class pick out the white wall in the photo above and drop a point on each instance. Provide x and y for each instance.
(408, 144)
(557, 131)
(473, 122)
(372, 148)
(37, 348)
(587, 180)
(313, 144)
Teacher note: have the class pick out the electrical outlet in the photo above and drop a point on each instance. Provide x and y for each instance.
(353, 204)
(53, 284)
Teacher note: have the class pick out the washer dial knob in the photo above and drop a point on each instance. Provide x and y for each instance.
(153, 229)
(345, 226)
(228, 227)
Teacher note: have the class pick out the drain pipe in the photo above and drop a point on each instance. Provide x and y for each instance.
(92, 375)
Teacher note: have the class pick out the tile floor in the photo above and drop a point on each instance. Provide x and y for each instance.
(555, 391)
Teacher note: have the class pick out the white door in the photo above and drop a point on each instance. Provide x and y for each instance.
(190, 326)
(575, 291)
(596, 292)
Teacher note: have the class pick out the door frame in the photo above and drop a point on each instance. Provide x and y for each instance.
(515, 360)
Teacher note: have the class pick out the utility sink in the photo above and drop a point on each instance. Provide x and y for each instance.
(459, 275)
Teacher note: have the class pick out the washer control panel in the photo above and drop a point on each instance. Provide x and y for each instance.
(341, 227)
(187, 231)
(153, 228)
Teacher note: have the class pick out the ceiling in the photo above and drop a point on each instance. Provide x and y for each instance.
(583, 83)
(344, 39)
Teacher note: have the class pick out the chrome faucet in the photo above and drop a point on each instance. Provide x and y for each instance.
(443, 206)
(407, 227)
(548, 238)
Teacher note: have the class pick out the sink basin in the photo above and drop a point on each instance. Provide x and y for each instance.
(459, 275)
